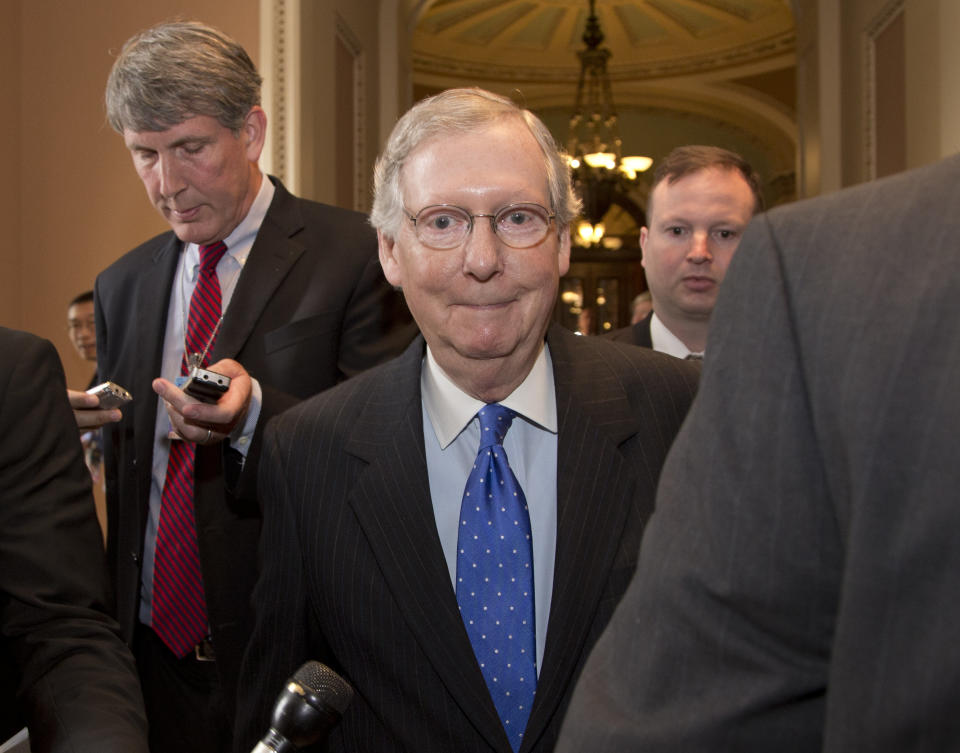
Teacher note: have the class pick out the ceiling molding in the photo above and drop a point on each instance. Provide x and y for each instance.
(785, 42)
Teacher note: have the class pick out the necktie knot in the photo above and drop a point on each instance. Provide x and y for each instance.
(211, 255)
(495, 420)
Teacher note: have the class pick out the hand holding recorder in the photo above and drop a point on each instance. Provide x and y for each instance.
(208, 422)
(98, 406)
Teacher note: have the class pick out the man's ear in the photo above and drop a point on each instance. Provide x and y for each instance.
(564, 252)
(254, 132)
(388, 259)
(643, 242)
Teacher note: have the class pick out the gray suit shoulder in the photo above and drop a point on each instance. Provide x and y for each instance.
(902, 194)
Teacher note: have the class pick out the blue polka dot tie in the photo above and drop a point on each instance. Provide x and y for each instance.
(495, 576)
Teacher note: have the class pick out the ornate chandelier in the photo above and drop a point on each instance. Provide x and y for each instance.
(600, 171)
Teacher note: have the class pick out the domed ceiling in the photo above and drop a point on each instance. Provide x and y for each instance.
(682, 71)
(537, 40)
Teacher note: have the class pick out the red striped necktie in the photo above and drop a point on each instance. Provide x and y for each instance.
(179, 607)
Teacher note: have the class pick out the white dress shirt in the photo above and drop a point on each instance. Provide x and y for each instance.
(665, 341)
(239, 243)
(451, 435)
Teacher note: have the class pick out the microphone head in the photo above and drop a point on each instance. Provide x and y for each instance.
(307, 709)
(324, 686)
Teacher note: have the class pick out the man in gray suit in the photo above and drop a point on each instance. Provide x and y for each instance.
(797, 585)
(378, 557)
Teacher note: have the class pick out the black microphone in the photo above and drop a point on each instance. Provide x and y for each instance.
(306, 710)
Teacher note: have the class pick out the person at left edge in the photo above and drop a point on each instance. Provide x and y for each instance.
(304, 305)
(64, 671)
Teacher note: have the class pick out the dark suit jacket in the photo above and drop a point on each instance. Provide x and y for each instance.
(60, 652)
(311, 308)
(353, 570)
(797, 589)
(636, 334)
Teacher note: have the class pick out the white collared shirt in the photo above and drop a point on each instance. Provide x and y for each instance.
(239, 244)
(451, 435)
(665, 341)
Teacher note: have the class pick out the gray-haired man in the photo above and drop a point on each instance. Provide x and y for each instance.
(462, 603)
(283, 296)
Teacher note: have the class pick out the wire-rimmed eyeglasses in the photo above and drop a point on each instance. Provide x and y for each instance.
(445, 226)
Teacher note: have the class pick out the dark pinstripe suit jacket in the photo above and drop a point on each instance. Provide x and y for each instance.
(797, 590)
(636, 334)
(353, 573)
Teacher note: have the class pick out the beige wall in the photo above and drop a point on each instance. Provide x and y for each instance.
(818, 96)
(838, 106)
(933, 58)
(10, 156)
(338, 59)
(71, 202)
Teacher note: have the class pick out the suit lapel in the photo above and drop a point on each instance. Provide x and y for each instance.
(152, 303)
(392, 502)
(595, 492)
(274, 252)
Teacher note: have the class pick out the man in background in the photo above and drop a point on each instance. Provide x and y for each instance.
(458, 592)
(797, 584)
(64, 671)
(700, 203)
(82, 330)
(82, 327)
(284, 297)
(640, 306)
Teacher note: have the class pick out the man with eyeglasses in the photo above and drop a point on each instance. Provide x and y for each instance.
(452, 530)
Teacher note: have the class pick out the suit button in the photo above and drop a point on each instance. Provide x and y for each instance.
(135, 557)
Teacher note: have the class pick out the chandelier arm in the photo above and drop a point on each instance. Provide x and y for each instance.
(599, 172)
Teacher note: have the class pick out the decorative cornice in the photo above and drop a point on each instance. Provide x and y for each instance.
(360, 173)
(279, 88)
(762, 48)
(738, 10)
(870, 34)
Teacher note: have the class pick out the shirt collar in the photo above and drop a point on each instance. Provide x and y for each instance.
(665, 341)
(450, 409)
